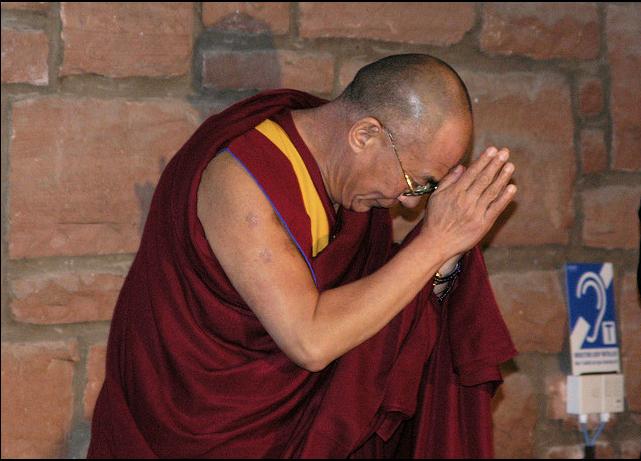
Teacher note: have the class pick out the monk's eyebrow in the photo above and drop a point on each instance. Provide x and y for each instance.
(426, 177)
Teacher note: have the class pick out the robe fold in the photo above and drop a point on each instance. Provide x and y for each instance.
(191, 372)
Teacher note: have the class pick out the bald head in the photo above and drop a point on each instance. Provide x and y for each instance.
(408, 89)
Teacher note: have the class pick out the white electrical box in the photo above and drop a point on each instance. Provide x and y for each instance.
(603, 393)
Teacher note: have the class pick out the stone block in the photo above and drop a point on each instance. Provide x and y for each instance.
(594, 152)
(65, 297)
(249, 17)
(127, 39)
(514, 411)
(541, 30)
(533, 306)
(610, 216)
(26, 6)
(37, 398)
(25, 55)
(590, 97)
(623, 26)
(424, 23)
(83, 171)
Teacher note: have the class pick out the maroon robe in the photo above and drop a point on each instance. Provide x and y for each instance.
(191, 372)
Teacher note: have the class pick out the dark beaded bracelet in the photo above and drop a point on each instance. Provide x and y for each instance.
(441, 296)
(438, 279)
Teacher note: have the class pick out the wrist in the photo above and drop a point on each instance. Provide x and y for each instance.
(436, 248)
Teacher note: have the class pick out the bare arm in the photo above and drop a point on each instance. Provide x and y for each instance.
(266, 269)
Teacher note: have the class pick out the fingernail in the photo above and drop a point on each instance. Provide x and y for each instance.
(491, 152)
(503, 155)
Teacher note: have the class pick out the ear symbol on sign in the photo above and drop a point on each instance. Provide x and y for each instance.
(592, 280)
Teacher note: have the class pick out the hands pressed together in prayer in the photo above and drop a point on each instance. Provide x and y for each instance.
(467, 203)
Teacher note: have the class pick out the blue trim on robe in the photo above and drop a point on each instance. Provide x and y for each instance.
(277, 214)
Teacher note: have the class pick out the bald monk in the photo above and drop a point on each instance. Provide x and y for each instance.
(269, 313)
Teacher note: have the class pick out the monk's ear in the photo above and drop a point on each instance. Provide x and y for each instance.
(364, 132)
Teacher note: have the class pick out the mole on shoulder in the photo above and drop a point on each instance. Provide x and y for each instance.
(251, 219)
(265, 255)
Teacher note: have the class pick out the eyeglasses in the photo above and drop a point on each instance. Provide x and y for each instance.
(415, 190)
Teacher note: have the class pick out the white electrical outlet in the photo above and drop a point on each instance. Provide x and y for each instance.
(602, 393)
(613, 392)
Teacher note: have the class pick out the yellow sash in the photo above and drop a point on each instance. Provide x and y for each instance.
(313, 205)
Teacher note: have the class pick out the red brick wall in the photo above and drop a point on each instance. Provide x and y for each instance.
(97, 97)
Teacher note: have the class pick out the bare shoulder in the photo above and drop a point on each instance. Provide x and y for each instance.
(222, 175)
(228, 193)
(250, 242)
(227, 198)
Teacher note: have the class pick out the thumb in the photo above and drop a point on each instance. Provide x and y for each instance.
(451, 177)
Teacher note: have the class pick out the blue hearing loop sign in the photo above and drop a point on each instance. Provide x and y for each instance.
(593, 333)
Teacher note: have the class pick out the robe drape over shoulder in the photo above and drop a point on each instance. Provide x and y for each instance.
(191, 372)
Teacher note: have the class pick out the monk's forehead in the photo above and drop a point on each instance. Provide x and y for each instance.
(446, 148)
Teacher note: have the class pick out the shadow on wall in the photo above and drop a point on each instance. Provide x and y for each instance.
(144, 193)
(233, 59)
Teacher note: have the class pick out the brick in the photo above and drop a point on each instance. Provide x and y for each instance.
(95, 378)
(594, 153)
(249, 17)
(629, 310)
(37, 398)
(425, 23)
(127, 39)
(514, 411)
(610, 217)
(65, 297)
(541, 30)
(623, 28)
(564, 452)
(532, 301)
(29, 6)
(590, 97)
(25, 55)
(263, 69)
(83, 171)
(531, 115)
(631, 449)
